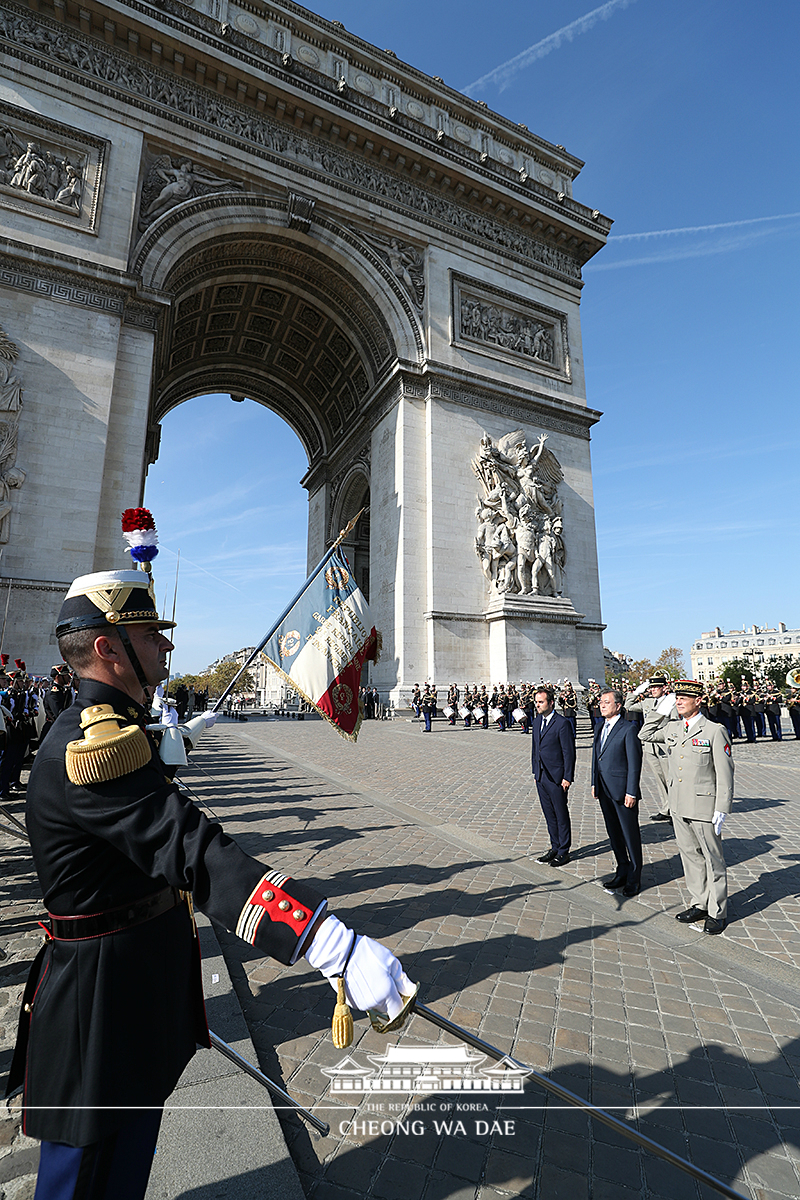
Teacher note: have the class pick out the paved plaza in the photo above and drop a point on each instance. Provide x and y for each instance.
(429, 843)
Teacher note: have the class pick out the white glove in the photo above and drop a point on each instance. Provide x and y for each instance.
(717, 820)
(641, 689)
(374, 977)
(666, 704)
(210, 718)
(169, 716)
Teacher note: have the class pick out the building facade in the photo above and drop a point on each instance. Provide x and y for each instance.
(756, 644)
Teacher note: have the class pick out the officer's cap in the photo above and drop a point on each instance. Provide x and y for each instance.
(110, 598)
(688, 687)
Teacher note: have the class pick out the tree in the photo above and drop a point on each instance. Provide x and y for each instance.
(775, 669)
(671, 662)
(736, 670)
(639, 670)
(222, 675)
(198, 682)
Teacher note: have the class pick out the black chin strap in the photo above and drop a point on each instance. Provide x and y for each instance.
(131, 653)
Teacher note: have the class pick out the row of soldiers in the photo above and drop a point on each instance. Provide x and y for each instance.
(505, 705)
(746, 712)
(28, 708)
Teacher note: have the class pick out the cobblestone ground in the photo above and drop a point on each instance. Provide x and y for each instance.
(20, 939)
(428, 842)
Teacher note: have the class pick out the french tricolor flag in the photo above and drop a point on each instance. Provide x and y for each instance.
(323, 642)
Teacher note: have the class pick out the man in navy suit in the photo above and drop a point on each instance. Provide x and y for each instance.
(616, 770)
(553, 763)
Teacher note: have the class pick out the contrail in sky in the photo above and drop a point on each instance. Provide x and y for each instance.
(503, 74)
(630, 237)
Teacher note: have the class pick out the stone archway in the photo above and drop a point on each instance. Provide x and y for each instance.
(263, 204)
(311, 326)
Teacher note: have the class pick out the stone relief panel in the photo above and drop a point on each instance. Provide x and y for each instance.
(112, 69)
(497, 323)
(11, 476)
(520, 545)
(48, 170)
(168, 181)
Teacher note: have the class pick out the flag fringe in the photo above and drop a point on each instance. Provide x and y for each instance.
(349, 737)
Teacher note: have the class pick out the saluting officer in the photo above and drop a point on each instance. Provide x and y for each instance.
(657, 690)
(113, 1008)
(700, 785)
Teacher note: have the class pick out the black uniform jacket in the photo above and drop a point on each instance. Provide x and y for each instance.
(116, 1018)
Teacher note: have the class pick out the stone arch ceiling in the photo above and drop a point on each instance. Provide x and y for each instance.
(280, 322)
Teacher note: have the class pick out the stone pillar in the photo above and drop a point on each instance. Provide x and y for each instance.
(398, 547)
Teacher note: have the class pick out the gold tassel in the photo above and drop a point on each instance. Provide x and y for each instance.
(107, 751)
(342, 1027)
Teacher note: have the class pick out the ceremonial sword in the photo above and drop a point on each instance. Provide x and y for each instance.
(599, 1114)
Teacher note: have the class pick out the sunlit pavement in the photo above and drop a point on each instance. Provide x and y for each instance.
(429, 842)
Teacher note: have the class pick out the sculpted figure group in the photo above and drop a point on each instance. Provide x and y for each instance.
(39, 172)
(520, 544)
(509, 330)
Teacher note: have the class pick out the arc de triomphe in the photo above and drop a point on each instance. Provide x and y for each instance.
(246, 198)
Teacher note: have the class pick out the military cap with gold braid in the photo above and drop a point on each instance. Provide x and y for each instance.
(688, 687)
(110, 748)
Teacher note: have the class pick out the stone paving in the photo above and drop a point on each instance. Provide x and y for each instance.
(427, 842)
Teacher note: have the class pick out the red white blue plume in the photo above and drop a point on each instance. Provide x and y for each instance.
(139, 531)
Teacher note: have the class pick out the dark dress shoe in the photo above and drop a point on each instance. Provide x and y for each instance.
(548, 857)
(631, 889)
(714, 925)
(692, 914)
(616, 881)
(560, 860)
(661, 817)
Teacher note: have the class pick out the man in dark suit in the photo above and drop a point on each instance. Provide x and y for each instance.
(553, 764)
(616, 770)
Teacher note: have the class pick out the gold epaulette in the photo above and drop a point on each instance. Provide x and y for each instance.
(109, 750)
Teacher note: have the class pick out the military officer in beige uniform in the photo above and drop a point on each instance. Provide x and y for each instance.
(657, 689)
(700, 783)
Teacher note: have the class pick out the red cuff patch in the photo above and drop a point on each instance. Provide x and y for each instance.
(271, 897)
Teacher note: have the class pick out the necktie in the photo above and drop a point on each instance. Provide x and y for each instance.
(604, 736)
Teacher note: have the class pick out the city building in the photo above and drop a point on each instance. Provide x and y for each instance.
(756, 644)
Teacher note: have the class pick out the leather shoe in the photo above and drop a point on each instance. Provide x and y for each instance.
(692, 914)
(548, 857)
(631, 889)
(616, 881)
(560, 860)
(714, 925)
(661, 817)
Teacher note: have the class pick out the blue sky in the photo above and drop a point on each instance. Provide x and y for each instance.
(686, 115)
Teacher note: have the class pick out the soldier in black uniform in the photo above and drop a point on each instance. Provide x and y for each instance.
(113, 1009)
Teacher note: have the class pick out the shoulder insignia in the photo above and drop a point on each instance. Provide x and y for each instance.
(109, 748)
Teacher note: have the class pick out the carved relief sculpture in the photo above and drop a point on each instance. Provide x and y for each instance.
(166, 185)
(406, 263)
(499, 324)
(11, 476)
(520, 544)
(47, 174)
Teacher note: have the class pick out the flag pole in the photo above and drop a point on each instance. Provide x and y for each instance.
(325, 558)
